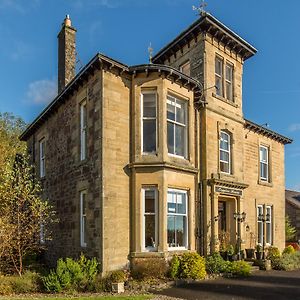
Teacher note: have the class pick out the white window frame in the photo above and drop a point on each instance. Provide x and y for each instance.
(144, 189)
(230, 82)
(181, 68)
(260, 224)
(170, 99)
(148, 118)
(264, 163)
(226, 151)
(186, 215)
(42, 146)
(219, 92)
(42, 232)
(83, 130)
(269, 239)
(83, 218)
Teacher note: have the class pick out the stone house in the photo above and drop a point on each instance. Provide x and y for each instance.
(292, 207)
(150, 160)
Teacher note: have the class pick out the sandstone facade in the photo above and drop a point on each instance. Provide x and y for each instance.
(175, 197)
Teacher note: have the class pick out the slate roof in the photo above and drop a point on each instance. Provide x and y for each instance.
(293, 198)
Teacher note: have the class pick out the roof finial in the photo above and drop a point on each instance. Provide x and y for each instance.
(201, 8)
(150, 51)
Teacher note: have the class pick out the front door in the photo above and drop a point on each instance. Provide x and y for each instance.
(222, 216)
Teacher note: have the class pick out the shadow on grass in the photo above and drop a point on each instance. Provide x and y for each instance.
(275, 285)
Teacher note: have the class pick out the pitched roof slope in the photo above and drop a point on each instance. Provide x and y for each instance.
(293, 198)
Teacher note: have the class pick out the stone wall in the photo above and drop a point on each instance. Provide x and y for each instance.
(66, 175)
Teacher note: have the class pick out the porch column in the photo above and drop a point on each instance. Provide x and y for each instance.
(214, 221)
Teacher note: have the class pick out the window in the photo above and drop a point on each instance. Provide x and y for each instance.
(42, 232)
(149, 122)
(185, 68)
(260, 225)
(149, 196)
(269, 229)
(219, 76)
(221, 81)
(83, 130)
(225, 154)
(229, 81)
(177, 219)
(264, 224)
(83, 221)
(264, 163)
(177, 126)
(42, 158)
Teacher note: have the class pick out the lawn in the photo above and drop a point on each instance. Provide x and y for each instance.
(141, 297)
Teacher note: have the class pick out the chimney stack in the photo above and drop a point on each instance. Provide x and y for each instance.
(66, 53)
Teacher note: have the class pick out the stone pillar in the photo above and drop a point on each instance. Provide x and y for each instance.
(66, 54)
(214, 221)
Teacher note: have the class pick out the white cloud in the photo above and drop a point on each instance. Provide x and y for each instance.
(294, 127)
(41, 91)
(296, 187)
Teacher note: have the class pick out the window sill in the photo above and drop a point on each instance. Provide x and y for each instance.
(177, 156)
(265, 183)
(172, 249)
(225, 100)
(223, 175)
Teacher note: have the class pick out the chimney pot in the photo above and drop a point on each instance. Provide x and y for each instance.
(67, 21)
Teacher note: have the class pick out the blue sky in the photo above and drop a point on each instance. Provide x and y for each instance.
(123, 30)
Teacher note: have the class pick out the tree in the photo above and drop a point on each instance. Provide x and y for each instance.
(24, 216)
(290, 230)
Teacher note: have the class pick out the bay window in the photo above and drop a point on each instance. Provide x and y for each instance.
(177, 126)
(149, 199)
(149, 122)
(177, 226)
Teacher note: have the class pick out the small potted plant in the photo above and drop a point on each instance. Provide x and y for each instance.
(117, 279)
(223, 238)
(250, 251)
(259, 252)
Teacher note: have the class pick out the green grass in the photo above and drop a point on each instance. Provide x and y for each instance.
(83, 298)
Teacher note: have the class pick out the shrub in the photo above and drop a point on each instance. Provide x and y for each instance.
(288, 261)
(174, 267)
(215, 264)
(71, 275)
(29, 282)
(288, 250)
(117, 276)
(273, 253)
(192, 265)
(149, 268)
(240, 268)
